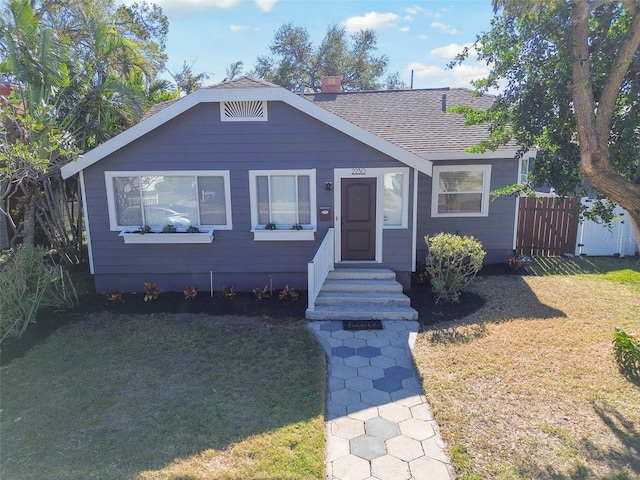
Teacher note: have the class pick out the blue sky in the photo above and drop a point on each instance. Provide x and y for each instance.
(422, 36)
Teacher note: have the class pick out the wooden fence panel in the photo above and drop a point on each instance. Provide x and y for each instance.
(547, 226)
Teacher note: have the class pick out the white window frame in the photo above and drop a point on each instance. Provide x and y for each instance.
(283, 232)
(486, 189)
(110, 175)
(526, 164)
(404, 214)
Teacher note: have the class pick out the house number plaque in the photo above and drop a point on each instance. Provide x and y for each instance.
(358, 171)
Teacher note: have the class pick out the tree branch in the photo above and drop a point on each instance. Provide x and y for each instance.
(617, 73)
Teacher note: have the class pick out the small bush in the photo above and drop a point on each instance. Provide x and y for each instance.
(260, 293)
(169, 228)
(151, 291)
(115, 297)
(229, 292)
(30, 280)
(288, 293)
(626, 350)
(452, 262)
(190, 292)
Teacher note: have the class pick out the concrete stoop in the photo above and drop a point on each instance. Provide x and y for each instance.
(362, 294)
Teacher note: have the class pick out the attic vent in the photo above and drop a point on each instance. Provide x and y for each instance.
(239, 111)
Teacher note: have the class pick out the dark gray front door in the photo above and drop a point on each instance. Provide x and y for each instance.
(358, 235)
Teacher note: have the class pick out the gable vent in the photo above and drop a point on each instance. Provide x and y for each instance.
(239, 111)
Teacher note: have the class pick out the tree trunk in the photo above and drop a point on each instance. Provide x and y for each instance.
(29, 221)
(593, 120)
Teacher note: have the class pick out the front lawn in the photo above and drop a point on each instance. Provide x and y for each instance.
(527, 386)
(166, 397)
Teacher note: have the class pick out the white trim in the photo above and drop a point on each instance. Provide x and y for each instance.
(213, 95)
(158, 236)
(284, 232)
(85, 208)
(486, 189)
(414, 238)
(110, 174)
(262, 235)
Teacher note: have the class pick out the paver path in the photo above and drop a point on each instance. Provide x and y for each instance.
(379, 425)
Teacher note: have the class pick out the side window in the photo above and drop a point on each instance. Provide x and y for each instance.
(461, 191)
(395, 201)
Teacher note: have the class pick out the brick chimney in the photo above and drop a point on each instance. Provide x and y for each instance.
(331, 84)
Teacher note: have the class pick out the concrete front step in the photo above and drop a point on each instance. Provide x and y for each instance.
(371, 296)
(362, 273)
(357, 311)
(361, 285)
(362, 294)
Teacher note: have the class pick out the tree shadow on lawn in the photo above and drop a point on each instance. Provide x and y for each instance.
(623, 461)
(113, 396)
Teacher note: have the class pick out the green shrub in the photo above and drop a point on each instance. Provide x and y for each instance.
(452, 262)
(626, 350)
(30, 280)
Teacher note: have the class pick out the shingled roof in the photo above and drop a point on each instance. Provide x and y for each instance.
(415, 120)
(412, 119)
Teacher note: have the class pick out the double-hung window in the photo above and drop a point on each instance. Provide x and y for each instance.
(282, 200)
(178, 198)
(461, 191)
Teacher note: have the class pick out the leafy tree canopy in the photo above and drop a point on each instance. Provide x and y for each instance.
(81, 72)
(296, 64)
(568, 73)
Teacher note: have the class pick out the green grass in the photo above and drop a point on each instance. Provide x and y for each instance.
(584, 265)
(166, 397)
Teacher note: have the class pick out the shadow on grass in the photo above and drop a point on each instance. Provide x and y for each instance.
(507, 297)
(624, 461)
(114, 396)
(580, 265)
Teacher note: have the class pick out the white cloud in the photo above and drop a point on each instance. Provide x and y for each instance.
(423, 71)
(266, 5)
(371, 20)
(448, 52)
(404, 29)
(465, 73)
(239, 28)
(444, 28)
(416, 10)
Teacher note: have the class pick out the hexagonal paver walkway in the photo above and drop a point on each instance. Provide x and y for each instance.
(379, 425)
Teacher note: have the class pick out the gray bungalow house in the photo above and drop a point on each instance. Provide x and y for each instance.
(277, 182)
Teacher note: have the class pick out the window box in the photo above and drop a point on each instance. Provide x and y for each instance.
(157, 236)
(264, 235)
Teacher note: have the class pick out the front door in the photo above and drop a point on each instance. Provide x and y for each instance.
(358, 234)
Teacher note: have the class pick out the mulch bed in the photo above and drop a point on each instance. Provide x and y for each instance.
(243, 303)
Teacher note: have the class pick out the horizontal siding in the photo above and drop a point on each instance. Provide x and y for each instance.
(197, 140)
(495, 232)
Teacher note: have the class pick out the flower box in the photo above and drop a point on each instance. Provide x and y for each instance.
(157, 236)
(264, 235)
